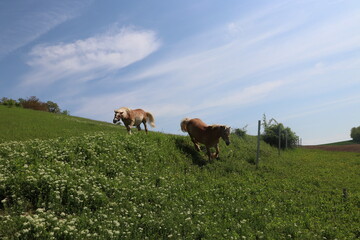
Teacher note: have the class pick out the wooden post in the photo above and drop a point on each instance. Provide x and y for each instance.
(258, 145)
(279, 139)
(286, 139)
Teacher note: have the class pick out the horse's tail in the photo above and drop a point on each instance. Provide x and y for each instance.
(151, 119)
(183, 124)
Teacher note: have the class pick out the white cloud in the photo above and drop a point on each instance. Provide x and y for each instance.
(262, 63)
(90, 58)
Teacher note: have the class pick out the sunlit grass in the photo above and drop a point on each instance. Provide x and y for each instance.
(110, 185)
(22, 124)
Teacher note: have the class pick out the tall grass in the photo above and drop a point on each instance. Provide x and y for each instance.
(156, 186)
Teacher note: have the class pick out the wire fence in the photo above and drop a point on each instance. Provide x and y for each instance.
(280, 147)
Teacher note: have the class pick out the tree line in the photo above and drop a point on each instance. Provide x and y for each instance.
(35, 104)
(355, 134)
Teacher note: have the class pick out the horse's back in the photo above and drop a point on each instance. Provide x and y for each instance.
(197, 123)
(197, 129)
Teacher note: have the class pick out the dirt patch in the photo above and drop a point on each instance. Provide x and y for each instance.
(338, 148)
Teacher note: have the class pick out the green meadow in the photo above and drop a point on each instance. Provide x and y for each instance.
(63, 177)
(18, 124)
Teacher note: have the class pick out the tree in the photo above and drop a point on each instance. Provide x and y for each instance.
(355, 134)
(8, 102)
(66, 112)
(53, 107)
(271, 134)
(35, 104)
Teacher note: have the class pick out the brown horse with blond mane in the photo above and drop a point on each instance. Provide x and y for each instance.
(133, 118)
(208, 135)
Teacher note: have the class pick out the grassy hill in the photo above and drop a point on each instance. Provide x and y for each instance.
(24, 124)
(104, 184)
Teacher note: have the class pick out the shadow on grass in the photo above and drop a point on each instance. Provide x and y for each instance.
(196, 156)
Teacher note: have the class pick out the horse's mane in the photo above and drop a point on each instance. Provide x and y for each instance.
(214, 126)
(125, 108)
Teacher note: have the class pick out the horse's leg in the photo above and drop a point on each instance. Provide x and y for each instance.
(144, 122)
(217, 151)
(128, 128)
(208, 152)
(196, 145)
(138, 127)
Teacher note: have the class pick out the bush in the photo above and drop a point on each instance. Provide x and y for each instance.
(355, 134)
(66, 112)
(240, 132)
(9, 102)
(271, 134)
(35, 104)
(53, 107)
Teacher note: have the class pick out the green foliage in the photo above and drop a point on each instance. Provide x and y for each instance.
(271, 134)
(52, 107)
(110, 185)
(66, 112)
(355, 134)
(156, 186)
(9, 102)
(34, 103)
(240, 132)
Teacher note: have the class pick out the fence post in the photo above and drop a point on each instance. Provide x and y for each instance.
(258, 145)
(279, 139)
(286, 139)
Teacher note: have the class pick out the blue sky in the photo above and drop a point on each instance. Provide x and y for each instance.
(227, 62)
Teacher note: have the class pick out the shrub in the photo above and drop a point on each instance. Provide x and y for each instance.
(53, 107)
(9, 102)
(66, 112)
(355, 134)
(35, 104)
(240, 132)
(271, 134)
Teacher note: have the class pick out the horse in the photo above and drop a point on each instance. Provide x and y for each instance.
(208, 135)
(133, 118)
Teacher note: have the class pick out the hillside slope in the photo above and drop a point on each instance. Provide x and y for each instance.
(110, 185)
(23, 124)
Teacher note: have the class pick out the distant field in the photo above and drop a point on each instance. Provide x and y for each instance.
(349, 142)
(23, 124)
(105, 184)
(345, 146)
(337, 148)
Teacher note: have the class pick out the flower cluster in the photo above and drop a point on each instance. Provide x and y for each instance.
(102, 186)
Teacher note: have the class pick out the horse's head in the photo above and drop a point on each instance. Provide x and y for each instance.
(121, 113)
(116, 117)
(225, 134)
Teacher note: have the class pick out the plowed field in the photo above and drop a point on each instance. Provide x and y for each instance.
(338, 148)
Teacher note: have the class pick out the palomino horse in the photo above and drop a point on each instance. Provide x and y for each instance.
(133, 118)
(200, 132)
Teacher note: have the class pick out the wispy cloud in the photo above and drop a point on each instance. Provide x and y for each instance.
(325, 106)
(24, 26)
(87, 59)
(263, 59)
